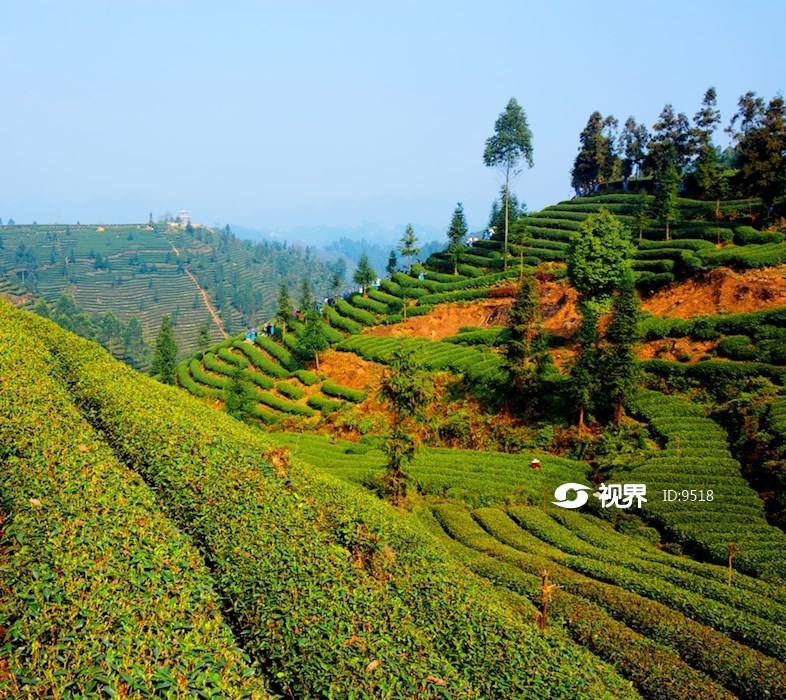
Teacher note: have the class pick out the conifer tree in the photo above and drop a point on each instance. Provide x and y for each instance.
(306, 296)
(165, 356)
(457, 232)
(666, 198)
(238, 398)
(203, 336)
(584, 375)
(408, 245)
(759, 132)
(408, 389)
(619, 360)
(707, 168)
(390, 268)
(312, 340)
(364, 274)
(284, 309)
(525, 347)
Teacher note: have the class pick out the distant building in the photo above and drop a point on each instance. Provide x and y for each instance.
(184, 218)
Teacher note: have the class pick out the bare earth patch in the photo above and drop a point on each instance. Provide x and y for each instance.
(721, 291)
(350, 370)
(675, 349)
(446, 319)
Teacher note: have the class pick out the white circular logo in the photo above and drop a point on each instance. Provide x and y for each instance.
(561, 494)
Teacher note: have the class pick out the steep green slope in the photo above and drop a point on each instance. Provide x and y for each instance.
(330, 592)
(149, 271)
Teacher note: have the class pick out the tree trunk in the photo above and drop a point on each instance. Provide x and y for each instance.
(316, 359)
(507, 200)
(618, 410)
(581, 420)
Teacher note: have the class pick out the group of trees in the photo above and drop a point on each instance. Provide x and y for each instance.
(604, 369)
(125, 341)
(677, 146)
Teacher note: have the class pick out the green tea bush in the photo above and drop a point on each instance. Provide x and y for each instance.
(290, 391)
(343, 392)
(306, 377)
(369, 304)
(744, 257)
(744, 235)
(261, 361)
(392, 303)
(102, 594)
(269, 535)
(320, 403)
(649, 281)
(345, 324)
(279, 353)
(228, 356)
(358, 315)
(737, 347)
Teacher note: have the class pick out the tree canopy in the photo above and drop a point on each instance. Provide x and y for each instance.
(508, 148)
(598, 257)
(364, 274)
(457, 233)
(165, 356)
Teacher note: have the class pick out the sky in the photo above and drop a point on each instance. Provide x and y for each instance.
(277, 115)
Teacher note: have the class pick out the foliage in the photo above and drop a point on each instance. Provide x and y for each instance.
(343, 392)
(165, 356)
(238, 397)
(596, 158)
(408, 390)
(457, 233)
(525, 344)
(408, 246)
(312, 340)
(284, 308)
(510, 145)
(759, 133)
(364, 274)
(665, 204)
(618, 358)
(598, 258)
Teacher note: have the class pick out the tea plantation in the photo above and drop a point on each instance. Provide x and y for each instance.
(153, 546)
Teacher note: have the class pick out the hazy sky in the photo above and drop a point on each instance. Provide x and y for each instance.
(281, 114)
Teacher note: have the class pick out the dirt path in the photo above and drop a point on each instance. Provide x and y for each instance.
(205, 298)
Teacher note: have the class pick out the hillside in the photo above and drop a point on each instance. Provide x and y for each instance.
(196, 275)
(256, 527)
(306, 583)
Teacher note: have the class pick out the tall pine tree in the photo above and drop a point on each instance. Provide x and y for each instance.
(165, 356)
(619, 360)
(457, 232)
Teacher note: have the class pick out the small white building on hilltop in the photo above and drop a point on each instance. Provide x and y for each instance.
(184, 218)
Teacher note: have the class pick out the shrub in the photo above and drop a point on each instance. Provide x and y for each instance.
(342, 322)
(290, 391)
(737, 347)
(275, 350)
(306, 377)
(359, 315)
(320, 403)
(369, 304)
(743, 235)
(343, 392)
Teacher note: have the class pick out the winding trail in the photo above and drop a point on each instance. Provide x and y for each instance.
(209, 306)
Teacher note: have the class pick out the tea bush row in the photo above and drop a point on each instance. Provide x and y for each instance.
(102, 594)
(300, 531)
